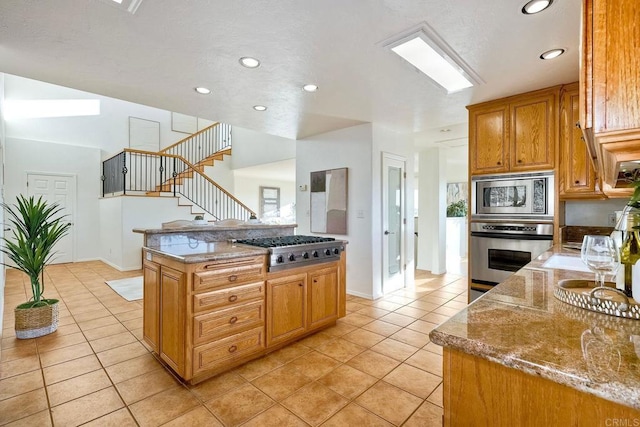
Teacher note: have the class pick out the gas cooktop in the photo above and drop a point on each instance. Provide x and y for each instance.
(297, 251)
(272, 242)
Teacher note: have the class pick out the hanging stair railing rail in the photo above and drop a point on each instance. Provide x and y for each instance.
(137, 172)
(202, 144)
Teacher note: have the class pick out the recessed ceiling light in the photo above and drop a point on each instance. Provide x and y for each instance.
(553, 53)
(310, 88)
(535, 6)
(259, 107)
(203, 90)
(249, 62)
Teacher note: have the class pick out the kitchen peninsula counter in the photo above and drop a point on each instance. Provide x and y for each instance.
(519, 356)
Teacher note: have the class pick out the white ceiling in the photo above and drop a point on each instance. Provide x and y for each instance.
(159, 54)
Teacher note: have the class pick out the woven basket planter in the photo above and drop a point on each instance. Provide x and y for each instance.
(37, 321)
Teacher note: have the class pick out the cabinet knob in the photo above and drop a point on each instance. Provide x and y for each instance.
(232, 298)
(233, 349)
(233, 278)
(519, 160)
(315, 280)
(577, 182)
(499, 163)
(233, 320)
(300, 284)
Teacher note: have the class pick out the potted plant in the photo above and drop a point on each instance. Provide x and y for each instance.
(36, 227)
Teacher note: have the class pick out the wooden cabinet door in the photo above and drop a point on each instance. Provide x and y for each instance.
(323, 297)
(172, 318)
(577, 175)
(151, 303)
(286, 307)
(488, 139)
(616, 65)
(533, 132)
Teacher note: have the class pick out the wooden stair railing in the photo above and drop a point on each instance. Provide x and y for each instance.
(149, 173)
(203, 144)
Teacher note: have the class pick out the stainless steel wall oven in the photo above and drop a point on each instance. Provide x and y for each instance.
(511, 224)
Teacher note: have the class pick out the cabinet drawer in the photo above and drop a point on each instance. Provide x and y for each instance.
(209, 356)
(229, 296)
(217, 324)
(223, 274)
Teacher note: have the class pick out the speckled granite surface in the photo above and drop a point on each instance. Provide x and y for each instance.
(190, 250)
(214, 233)
(520, 324)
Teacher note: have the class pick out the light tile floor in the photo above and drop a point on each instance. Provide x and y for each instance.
(376, 367)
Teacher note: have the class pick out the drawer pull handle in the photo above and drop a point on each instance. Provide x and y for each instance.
(233, 320)
(232, 298)
(206, 267)
(233, 349)
(233, 278)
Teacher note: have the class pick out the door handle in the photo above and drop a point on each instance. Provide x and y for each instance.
(387, 232)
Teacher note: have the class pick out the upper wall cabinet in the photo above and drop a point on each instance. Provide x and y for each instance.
(577, 176)
(514, 134)
(610, 85)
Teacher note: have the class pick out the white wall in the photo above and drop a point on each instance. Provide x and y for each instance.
(108, 131)
(248, 191)
(2, 150)
(350, 148)
(24, 156)
(432, 217)
(252, 148)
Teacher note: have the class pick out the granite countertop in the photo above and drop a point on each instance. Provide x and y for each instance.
(521, 325)
(212, 227)
(190, 250)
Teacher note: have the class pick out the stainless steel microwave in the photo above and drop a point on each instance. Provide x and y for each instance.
(518, 196)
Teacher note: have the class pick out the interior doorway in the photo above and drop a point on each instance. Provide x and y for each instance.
(62, 190)
(393, 222)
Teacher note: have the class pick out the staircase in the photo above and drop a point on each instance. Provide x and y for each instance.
(177, 171)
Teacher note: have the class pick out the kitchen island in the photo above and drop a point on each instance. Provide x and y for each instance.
(519, 356)
(212, 305)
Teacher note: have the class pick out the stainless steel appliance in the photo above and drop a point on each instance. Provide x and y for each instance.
(513, 196)
(297, 251)
(501, 248)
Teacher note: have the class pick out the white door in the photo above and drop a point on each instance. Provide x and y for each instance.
(60, 189)
(393, 222)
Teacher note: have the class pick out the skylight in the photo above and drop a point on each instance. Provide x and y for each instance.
(430, 54)
(42, 108)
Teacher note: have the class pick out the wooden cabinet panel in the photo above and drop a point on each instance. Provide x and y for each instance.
(220, 323)
(151, 302)
(578, 179)
(616, 65)
(514, 134)
(231, 295)
(532, 133)
(225, 273)
(172, 318)
(488, 139)
(217, 353)
(286, 307)
(502, 396)
(323, 297)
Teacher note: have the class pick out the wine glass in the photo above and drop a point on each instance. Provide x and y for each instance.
(601, 255)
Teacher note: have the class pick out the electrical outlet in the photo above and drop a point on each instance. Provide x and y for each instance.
(611, 220)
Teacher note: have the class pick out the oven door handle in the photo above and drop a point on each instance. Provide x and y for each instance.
(511, 236)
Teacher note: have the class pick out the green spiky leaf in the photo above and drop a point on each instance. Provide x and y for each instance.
(36, 228)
